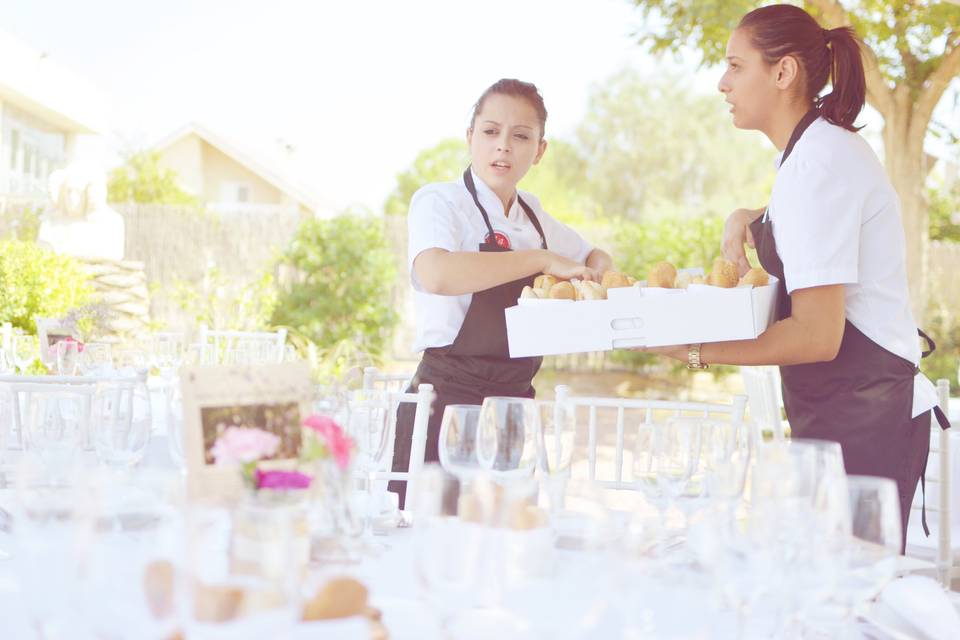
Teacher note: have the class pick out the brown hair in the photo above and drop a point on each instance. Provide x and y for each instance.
(518, 89)
(781, 30)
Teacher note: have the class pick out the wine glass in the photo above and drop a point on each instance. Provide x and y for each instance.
(458, 440)
(7, 364)
(95, 359)
(25, 351)
(121, 421)
(57, 423)
(68, 353)
(556, 437)
(506, 437)
(449, 545)
(371, 424)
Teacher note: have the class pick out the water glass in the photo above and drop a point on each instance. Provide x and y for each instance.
(121, 421)
(68, 353)
(458, 440)
(57, 424)
(25, 351)
(96, 358)
(506, 437)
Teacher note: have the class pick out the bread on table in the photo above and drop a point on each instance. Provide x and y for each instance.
(683, 280)
(663, 275)
(341, 597)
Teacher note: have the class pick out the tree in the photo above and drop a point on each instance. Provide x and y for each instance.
(141, 179)
(556, 181)
(442, 162)
(911, 55)
(659, 150)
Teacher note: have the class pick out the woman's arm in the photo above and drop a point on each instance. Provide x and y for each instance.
(599, 261)
(454, 273)
(811, 334)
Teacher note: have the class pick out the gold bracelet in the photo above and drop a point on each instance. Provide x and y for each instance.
(693, 358)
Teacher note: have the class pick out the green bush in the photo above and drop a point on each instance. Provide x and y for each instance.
(335, 283)
(37, 282)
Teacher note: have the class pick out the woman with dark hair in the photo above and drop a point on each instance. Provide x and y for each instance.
(473, 245)
(845, 337)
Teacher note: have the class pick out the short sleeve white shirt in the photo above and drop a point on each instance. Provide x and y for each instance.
(443, 215)
(836, 220)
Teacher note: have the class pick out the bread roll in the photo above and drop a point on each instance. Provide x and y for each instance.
(217, 603)
(530, 292)
(544, 281)
(631, 281)
(563, 291)
(339, 598)
(614, 280)
(528, 517)
(724, 274)
(682, 281)
(158, 577)
(590, 290)
(663, 275)
(756, 277)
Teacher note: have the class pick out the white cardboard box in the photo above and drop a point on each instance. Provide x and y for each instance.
(640, 317)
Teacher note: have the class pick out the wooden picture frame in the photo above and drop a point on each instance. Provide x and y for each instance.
(50, 331)
(272, 397)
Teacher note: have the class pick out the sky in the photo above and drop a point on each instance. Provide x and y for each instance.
(357, 88)
(354, 88)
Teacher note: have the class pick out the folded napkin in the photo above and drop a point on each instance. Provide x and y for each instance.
(921, 603)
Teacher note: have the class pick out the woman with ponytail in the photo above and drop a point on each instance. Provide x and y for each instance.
(845, 338)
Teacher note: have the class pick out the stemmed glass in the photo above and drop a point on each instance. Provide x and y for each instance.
(556, 436)
(506, 437)
(122, 421)
(458, 440)
(450, 541)
(371, 424)
(96, 358)
(56, 426)
(25, 351)
(6, 362)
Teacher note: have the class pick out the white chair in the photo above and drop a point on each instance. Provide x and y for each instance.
(614, 410)
(390, 401)
(21, 393)
(6, 337)
(373, 380)
(762, 386)
(940, 548)
(216, 344)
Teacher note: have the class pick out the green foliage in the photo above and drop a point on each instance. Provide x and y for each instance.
(944, 213)
(36, 282)
(141, 179)
(20, 222)
(442, 162)
(223, 304)
(558, 182)
(341, 275)
(908, 37)
(659, 149)
(944, 328)
(685, 244)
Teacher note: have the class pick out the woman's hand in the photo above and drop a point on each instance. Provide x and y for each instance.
(565, 268)
(736, 232)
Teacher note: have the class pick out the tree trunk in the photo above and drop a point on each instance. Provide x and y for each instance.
(903, 150)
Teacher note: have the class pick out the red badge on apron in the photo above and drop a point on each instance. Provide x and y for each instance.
(500, 239)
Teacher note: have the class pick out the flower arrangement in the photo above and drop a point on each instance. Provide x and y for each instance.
(250, 446)
(326, 439)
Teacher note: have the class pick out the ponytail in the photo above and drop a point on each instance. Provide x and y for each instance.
(845, 101)
(824, 55)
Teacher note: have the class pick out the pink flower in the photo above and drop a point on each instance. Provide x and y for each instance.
(281, 480)
(337, 443)
(243, 445)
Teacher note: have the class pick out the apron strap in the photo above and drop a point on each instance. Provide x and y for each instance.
(472, 188)
(931, 345)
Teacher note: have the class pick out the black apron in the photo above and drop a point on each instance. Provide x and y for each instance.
(477, 364)
(862, 399)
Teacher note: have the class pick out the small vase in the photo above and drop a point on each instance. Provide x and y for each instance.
(270, 534)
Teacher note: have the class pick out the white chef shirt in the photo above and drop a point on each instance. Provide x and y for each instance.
(836, 220)
(443, 215)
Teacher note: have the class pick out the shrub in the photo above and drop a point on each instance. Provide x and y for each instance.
(336, 283)
(37, 282)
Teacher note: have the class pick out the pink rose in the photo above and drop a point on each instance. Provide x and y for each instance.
(283, 480)
(333, 438)
(243, 445)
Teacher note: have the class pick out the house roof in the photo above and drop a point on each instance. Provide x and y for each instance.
(31, 81)
(245, 158)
